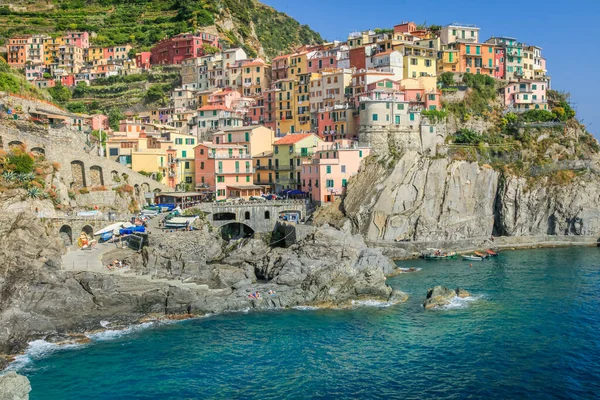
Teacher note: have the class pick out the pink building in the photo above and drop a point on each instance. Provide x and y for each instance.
(226, 170)
(79, 39)
(499, 62)
(99, 122)
(525, 94)
(226, 97)
(326, 176)
(323, 59)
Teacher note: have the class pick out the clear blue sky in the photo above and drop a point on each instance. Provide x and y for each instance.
(567, 31)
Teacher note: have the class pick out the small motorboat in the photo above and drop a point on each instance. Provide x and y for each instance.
(105, 237)
(439, 255)
(109, 228)
(491, 253)
(480, 254)
(132, 229)
(472, 257)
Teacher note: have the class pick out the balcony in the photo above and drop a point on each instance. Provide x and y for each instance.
(245, 156)
(236, 172)
(283, 168)
(264, 167)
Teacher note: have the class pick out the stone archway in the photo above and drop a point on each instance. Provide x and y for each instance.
(236, 230)
(114, 176)
(39, 151)
(66, 234)
(224, 216)
(78, 174)
(96, 176)
(15, 143)
(88, 230)
(124, 177)
(145, 188)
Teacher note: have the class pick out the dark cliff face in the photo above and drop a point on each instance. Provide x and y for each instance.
(420, 198)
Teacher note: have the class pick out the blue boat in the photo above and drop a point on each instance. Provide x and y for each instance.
(129, 231)
(106, 237)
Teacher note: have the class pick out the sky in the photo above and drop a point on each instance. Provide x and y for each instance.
(565, 30)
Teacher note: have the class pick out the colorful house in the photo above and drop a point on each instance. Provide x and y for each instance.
(265, 172)
(225, 170)
(459, 33)
(524, 94)
(180, 47)
(289, 153)
(213, 118)
(326, 176)
(256, 78)
(255, 139)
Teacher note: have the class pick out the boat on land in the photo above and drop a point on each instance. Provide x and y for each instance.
(179, 222)
(472, 257)
(109, 228)
(439, 255)
(480, 254)
(491, 253)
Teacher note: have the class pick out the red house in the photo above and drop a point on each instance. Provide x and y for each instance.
(142, 60)
(181, 47)
(68, 80)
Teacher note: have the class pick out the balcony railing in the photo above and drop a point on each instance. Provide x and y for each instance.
(283, 167)
(236, 171)
(230, 156)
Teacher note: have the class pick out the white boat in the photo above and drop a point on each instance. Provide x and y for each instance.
(92, 213)
(472, 258)
(179, 222)
(109, 228)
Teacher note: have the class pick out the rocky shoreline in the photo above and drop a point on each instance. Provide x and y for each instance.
(180, 274)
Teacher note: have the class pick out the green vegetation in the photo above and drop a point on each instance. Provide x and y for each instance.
(446, 78)
(435, 116)
(114, 116)
(60, 93)
(13, 82)
(479, 100)
(142, 23)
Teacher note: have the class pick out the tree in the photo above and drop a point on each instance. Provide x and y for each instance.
(467, 136)
(60, 93)
(447, 79)
(77, 107)
(155, 93)
(114, 117)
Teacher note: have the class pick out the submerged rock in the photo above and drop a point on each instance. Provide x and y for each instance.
(442, 296)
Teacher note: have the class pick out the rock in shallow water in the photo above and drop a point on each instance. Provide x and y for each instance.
(14, 387)
(442, 296)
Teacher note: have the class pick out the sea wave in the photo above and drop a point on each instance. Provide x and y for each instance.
(371, 303)
(305, 308)
(460, 302)
(111, 334)
(38, 349)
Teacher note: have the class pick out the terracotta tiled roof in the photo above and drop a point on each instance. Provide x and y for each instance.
(293, 138)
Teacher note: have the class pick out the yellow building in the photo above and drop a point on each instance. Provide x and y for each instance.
(418, 61)
(289, 153)
(265, 172)
(95, 55)
(152, 161)
(52, 49)
(256, 78)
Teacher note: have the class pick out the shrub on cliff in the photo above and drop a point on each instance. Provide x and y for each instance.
(20, 162)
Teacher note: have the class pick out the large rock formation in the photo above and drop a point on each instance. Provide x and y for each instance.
(421, 198)
(14, 387)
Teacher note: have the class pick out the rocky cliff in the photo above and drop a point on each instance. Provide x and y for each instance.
(418, 197)
(14, 387)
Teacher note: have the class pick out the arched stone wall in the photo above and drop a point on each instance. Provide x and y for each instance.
(38, 150)
(14, 143)
(88, 230)
(66, 234)
(78, 174)
(96, 176)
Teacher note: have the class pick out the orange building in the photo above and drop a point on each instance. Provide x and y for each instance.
(475, 58)
(17, 50)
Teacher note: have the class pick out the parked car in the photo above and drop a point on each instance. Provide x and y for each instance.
(257, 198)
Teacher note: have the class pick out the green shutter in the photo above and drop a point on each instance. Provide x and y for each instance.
(183, 153)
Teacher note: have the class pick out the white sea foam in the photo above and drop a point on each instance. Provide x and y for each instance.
(38, 349)
(111, 334)
(104, 324)
(460, 302)
(404, 270)
(371, 303)
(305, 308)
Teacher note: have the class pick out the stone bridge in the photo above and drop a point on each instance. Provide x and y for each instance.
(261, 217)
(69, 228)
(81, 166)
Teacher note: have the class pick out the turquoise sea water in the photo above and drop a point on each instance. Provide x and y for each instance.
(532, 330)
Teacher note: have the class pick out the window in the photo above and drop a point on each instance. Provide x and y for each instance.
(267, 215)
(220, 179)
(316, 183)
(400, 107)
(344, 182)
(412, 116)
(343, 167)
(329, 183)
(360, 153)
(276, 149)
(431, 96)
(468, 49)
(187, 165)
(375, 117)
(397, 120)
(184, 154)
(534, 87)
(329, 169)
(247, 136)
(229, 137)
(202, 165)
(113, 151)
